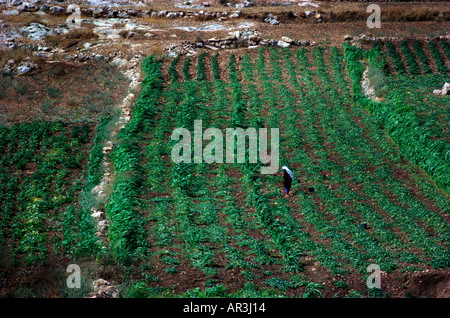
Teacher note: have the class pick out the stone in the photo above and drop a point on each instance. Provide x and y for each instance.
(23, 69)
(286, 39)
(162, 13)
(97, 13)
(10, 12)
(26, 6)
(44, 8)
(283, 44)
(103, 289)
(348, 37)
(102, 225)
(437, 92)
(96, 214)
(446, 89)
(57, 10)
(171, 15)
(35, 31)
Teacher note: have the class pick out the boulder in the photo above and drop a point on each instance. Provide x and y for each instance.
(171, 15)
(286, 39)
(26, 6)
(35, 31)
(10, 12)
(348, 37)
(283, 44)
(25, 67)
(44, 8)
(103, 289)
(57, 10)
(446, 89)
(97, 13)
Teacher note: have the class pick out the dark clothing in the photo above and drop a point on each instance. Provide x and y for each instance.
(287, 181)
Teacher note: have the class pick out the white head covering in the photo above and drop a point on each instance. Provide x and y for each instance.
(289, 172)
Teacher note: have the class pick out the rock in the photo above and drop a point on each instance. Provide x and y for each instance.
(103, 225)
(10, 12)
(35, 31)
(171, 15)
(103, 289)
(286, 39)
(25, 67)
(446, 89)
(57, 10)
(97, 13)
(16, 3)
(26, 6)
(348, 37)
(211, 47)
(283, 44)
(96, 214)
(132, 12)
(44, 8)
(248, 4)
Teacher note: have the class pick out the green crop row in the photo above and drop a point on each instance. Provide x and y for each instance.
(40, 176)
(127, 232)
(438, 58)
(413, 67)
(396, 58)
(402, 125)
(425, 62)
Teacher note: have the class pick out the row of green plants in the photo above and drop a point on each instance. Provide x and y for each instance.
(416, 210)
(192, 211)
(402, 124)
(438, 58)
(127, 231)
(41, 173)
(417, 53)
(423, 58)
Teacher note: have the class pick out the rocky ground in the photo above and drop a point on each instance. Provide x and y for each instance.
(77, 31)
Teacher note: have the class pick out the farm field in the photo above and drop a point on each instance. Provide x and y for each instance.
(226, 230)
(89, 180)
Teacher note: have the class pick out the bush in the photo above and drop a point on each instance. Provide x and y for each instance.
(378, 81)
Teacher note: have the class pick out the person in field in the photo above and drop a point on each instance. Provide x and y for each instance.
(288, 177)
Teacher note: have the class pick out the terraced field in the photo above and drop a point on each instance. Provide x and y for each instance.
(226, 229)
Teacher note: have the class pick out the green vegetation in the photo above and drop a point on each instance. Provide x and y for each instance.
(225, 230)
